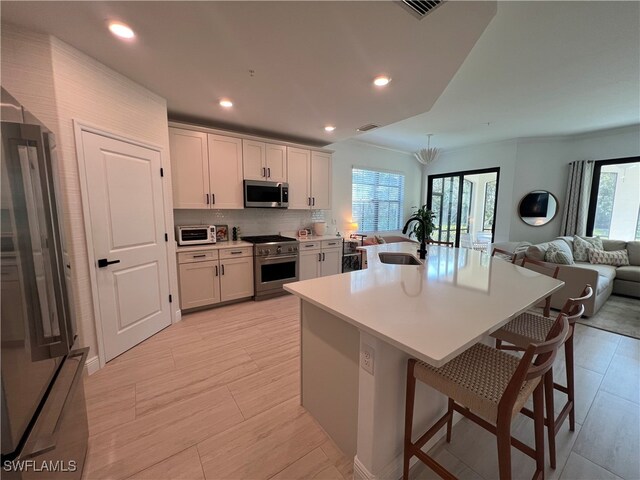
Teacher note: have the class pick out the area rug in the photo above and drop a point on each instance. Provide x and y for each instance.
(618, 315)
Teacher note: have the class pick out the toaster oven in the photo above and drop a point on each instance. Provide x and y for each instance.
(195, 234)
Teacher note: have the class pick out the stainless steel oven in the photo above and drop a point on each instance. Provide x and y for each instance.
(259, 194)
(275, 264)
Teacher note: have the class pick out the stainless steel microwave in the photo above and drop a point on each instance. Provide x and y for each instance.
(259, 194)
(195, 234)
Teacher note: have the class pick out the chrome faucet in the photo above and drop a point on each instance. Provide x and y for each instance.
(423, 245)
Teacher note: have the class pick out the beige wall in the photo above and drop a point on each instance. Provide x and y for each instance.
(59, 84)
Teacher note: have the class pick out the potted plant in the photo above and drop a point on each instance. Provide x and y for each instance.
(427, 217)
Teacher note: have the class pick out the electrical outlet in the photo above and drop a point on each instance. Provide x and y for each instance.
(367, 357)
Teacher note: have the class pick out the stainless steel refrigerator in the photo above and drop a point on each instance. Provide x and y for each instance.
(44, 417)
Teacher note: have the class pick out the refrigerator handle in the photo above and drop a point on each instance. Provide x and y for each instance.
(47, 442)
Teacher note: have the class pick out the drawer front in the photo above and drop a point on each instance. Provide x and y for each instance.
(198, 256)
(236, 252)
(309, 246)
(329, 244)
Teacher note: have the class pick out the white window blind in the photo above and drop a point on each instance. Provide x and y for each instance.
(377, 200)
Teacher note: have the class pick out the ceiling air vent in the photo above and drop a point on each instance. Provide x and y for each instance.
(420, 9)
(367, 127)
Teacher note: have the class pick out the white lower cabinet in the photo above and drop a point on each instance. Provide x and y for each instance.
(199, 284)
(236, 278)
(209, 277)
(320, 259)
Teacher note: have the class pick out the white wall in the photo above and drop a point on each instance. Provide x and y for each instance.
(352, 153)
(58, 84)
(536, 164)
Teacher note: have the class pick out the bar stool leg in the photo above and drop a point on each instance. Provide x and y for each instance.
(538, 421)
(551, 416)
(503, 435)
(450, 421)
(408, 417)
(568, 356)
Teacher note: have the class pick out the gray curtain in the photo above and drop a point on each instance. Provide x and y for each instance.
(576, 203)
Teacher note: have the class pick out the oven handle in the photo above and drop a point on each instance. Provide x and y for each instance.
(284, 257)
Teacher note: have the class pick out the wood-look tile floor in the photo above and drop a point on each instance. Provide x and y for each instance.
(216, 396)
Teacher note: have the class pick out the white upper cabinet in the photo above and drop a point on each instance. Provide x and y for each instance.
(264, 161)
(276, 162)
(320, 180)
(299, 177)
(208, 169)
(309, 176)
(225, 172)
(253, 160)
(189, 167)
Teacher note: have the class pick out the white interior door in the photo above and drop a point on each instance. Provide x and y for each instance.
(128, 228)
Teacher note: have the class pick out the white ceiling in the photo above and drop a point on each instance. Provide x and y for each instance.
(314, 62)
(539, 68)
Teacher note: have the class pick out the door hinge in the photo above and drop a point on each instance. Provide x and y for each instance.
(170, 299)
(161, 172)
(166, 237)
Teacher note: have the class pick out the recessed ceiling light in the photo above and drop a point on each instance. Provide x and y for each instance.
(121, 30)
(381, 81)
(226, 103)
(329, 128)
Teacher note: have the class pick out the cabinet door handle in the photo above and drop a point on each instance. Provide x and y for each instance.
(222, 267)
(269, 172)
(236, 253)
(216, 270)
(323, 257)
(213, 198)
(264, 172)
(207, 195)
(313, 203)
(319, 257)
(200, 256)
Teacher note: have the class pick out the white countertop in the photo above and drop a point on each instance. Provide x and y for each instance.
(213, 246)
(433, 311)
(317, 238)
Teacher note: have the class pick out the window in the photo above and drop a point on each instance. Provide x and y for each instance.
(489, 206)
(377, 200)
(614, 207)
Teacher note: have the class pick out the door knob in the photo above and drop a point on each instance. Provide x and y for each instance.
(103, 262)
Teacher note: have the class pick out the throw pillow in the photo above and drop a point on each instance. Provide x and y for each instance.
(581, 246)
(537, 252)
(555, 254)
(616, 258)
(564, 248)
(380, 240)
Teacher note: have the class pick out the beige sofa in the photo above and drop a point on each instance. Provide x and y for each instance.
(605, 279)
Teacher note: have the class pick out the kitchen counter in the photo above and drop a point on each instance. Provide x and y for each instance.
(358, 330)
(317, 238)
(433, 311)
(213, 246)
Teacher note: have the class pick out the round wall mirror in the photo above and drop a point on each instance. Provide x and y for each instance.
(538, 208)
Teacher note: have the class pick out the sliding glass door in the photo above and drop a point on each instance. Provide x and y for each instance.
(464, 204)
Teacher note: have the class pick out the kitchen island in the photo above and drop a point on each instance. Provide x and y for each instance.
(358, 329)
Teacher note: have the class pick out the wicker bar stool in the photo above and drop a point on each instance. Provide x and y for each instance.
(489, 387)
(532, 327)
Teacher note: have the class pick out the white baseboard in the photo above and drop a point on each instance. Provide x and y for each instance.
(178, 316)
(92, 365)
(393, 470)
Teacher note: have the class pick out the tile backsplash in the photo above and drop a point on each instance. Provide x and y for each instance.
(253, 221)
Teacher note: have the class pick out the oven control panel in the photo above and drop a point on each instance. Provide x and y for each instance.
(273, 250)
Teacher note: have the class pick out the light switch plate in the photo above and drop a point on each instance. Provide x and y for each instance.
(367, 357)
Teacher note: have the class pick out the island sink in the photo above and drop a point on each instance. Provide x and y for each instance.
(398, 258)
